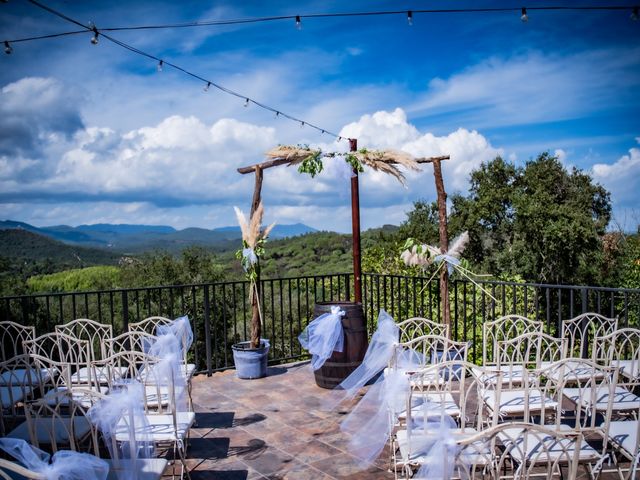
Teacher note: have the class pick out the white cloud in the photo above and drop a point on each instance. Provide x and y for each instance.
(561, 155)
(534, 87)
(621, 178)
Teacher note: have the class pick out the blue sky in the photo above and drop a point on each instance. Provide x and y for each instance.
(94, 133)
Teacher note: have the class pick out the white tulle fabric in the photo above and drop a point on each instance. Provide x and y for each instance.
(181, 329)
(432, 439)
(371, 421)
(124, 409)
(64, 465)
(323, 336)
(377, 357)
(168, 372)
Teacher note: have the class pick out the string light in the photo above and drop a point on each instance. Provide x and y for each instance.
(207, 86)
(246, 102)
(277, 114)
(160, 65)
(524, 17)
(94, 39)
(634, 14)
(410, 17)
(301, 124)
(298, 23)
(7, 48)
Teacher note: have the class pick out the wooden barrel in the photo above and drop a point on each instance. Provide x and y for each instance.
(340, 364)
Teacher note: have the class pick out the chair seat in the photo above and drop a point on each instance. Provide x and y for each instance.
(144, 468)
(628, 368)
(479, 454)
(158, 428)
(56, 428)
(83, 375)
(625, 435)
(78, 396)
(21, 377)
(546, 449)
(9, 396)
(574, 372)
(511, 374)
(623, 399)
(512, 402)
(445, 401)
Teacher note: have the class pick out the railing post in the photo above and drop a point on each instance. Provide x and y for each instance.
(207, 329)
(125, 311)
(584, 298)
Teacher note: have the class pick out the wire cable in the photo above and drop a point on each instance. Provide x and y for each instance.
(208, 82)
(239, 21)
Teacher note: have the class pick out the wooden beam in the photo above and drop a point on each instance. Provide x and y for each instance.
(282, 161)
(268, 164)
(433, 159)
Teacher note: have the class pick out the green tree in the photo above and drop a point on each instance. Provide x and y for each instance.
(539, 221)
(421, 223)
(195, 265)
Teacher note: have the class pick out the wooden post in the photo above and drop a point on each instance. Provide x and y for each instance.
(444, 242)
(355, 228)
(256, 321)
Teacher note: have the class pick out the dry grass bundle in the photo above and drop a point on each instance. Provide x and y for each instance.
(251, 229)
(293, 154)
(387, 160)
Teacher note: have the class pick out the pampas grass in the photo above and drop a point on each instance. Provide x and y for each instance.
(251, 229)
(386, 161)
(293, 154)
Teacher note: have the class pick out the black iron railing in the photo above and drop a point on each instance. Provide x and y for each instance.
(220, 313)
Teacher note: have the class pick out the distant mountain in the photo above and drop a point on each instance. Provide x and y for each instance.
(140, 238)
(279, 231)
(21, 246)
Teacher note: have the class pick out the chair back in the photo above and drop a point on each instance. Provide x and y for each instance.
(18, 382)
(94, 332)
(136, 341)
(428, 349)
(582, 331)
(531, 350)
(12, 336)
(419, 326)
(504, 328)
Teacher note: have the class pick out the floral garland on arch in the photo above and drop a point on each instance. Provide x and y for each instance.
(310, 160)
(422, 255)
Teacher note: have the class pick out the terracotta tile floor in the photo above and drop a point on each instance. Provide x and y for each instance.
(270, 428)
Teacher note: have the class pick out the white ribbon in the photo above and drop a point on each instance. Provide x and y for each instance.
(323, 336)
(64, 465)
(249, 258)
(181, 329)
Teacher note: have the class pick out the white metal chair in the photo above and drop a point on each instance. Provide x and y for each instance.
(427, 349)
(625, 438)
(19, 382)
(419, 326)
(95, 334)
(12, 335)
(504, 328)
(582, 331)
(167, 427)
(56, 421)
(136, 341)
(516, 357)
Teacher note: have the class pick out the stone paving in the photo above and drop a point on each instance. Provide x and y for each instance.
(271, 428)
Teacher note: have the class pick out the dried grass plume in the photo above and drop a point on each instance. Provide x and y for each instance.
(251, 230)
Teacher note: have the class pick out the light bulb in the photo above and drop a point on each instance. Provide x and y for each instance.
(246, 103)
(206, 87)
(94, 39)
(7, 48)
(298, 23)
(301, 124)
(160, 64)
(276, 115)
(410, 17)
(524, 17)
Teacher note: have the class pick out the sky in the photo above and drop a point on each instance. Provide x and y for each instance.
(96, 134)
